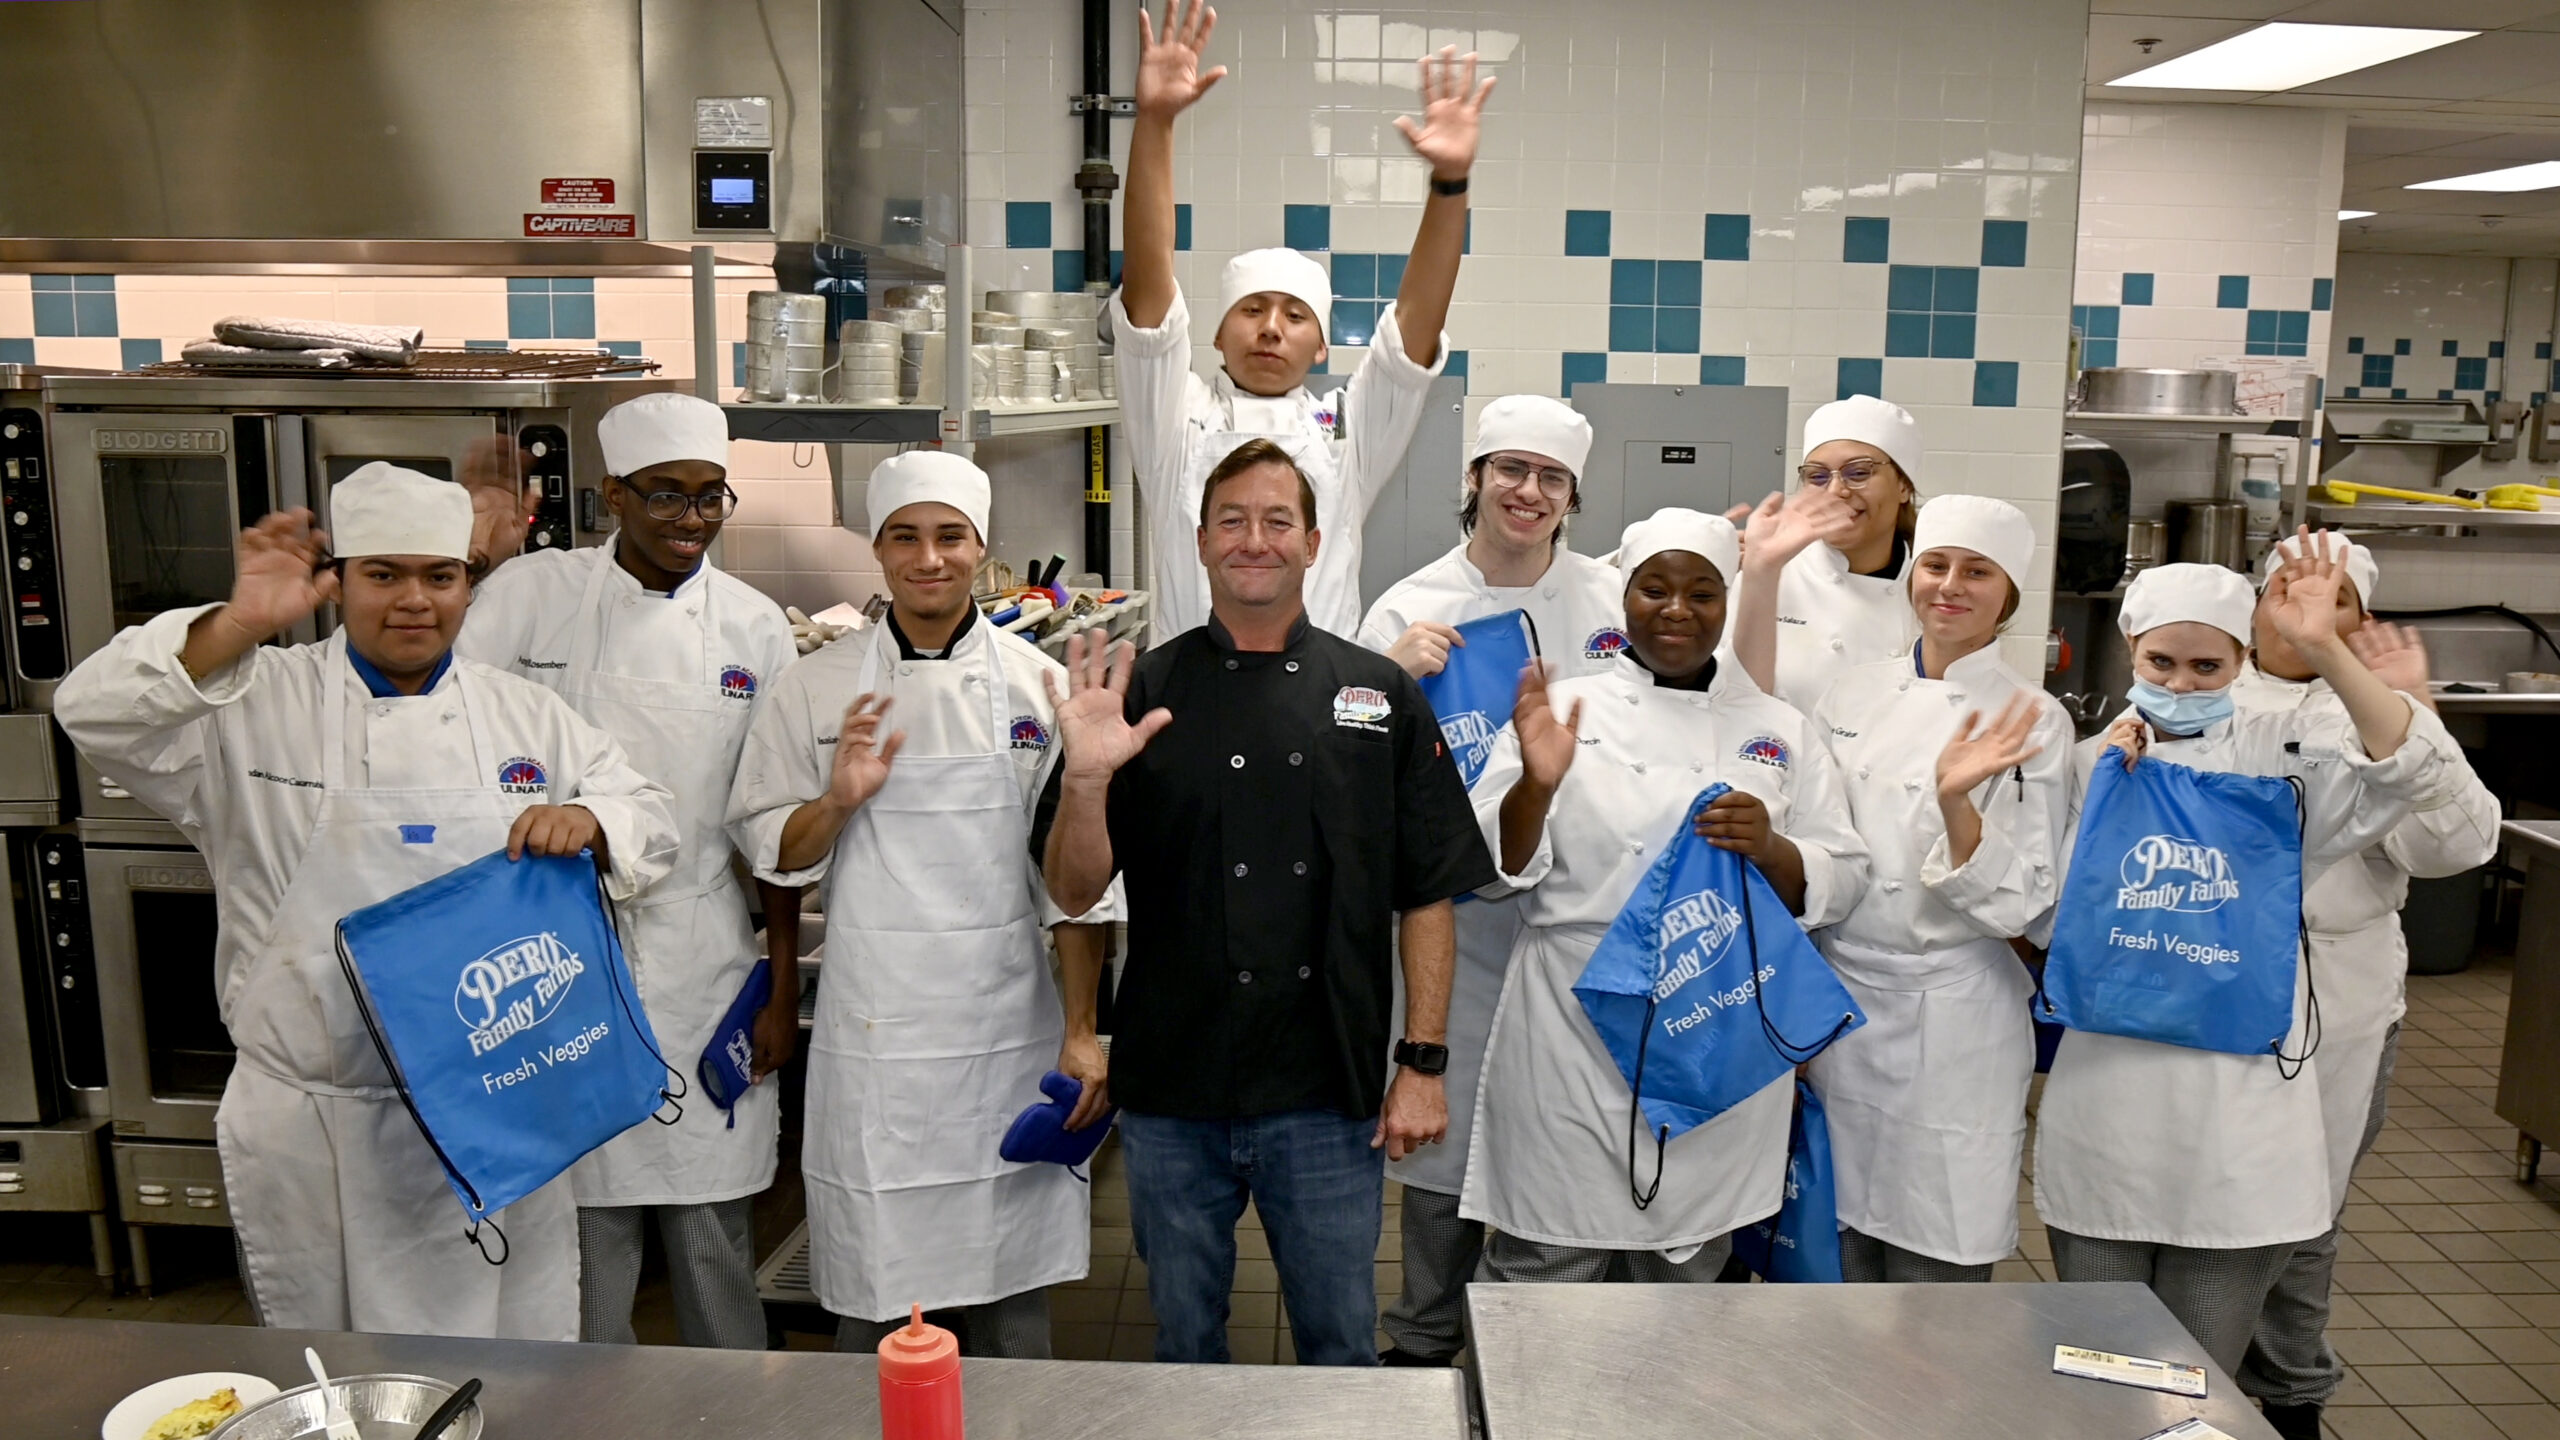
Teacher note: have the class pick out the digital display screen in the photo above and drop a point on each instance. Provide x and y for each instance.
(732, 190)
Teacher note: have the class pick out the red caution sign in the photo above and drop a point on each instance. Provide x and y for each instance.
(581, 227)
(577, 192)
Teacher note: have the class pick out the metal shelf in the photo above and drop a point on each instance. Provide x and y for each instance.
(2093, 422)
(904, 424)
(2377, 512)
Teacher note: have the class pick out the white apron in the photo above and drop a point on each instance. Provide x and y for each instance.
(2354, 1019)
(341, 1208)
(1486, 931)
(937, 1016)
(1333, 581)
(1927, 1102)
(688, 939)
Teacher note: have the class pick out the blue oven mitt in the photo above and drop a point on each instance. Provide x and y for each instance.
(1041, 1133)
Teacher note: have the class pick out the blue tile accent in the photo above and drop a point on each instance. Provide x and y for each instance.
(502, 345)
(2354, 391)
(2262, 327)
(528, 285)
(2492, 397)
(2399, 347)
(2444, 394)
(2542, 350)
(620, 347)
(1631, 282)
(1182, 227)
(1995, 382)
(1355, 277)
(42, 283)
(2377, 371)
(2293, 327)
(1675, 330)
(18, 350)
(2497, 349)
(2323, 292)
(1026, 224)
(1720, 369)
(55, 312)
(1581, 367)
(2137, 287)
(94, 284)
(528, 316)
(573, 317)
(1457, 365)
(2004, 242)
(2097, 322)
(738, 363)
(1728, 238)
(1865, 240)
(2452, 348)
(1679, 282)
(1066, 269)
(1630, 327)
(138, 353)
(573, 284)
(1951, 337)
(2399, 394)
(1959, 290)
(1390, 276)
(1307, 227)
(1906, 332)
(1354, 322)
(2097, 354)
(1586, 232)
(2355, 344)
(2232, 293)
(95, 311)
(1860, 376)
(2471, 373)
(1910, 287)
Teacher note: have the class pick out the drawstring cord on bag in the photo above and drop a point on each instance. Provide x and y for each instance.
(1635, 1111)
(400, 1084)
(2311, 1027)
(666, 1097)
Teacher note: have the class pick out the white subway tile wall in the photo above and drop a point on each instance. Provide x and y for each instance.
(1836, 196)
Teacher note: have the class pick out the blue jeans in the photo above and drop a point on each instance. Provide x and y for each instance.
(1320, 1191)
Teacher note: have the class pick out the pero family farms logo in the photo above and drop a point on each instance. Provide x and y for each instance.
(513, 988)
(2164, 872)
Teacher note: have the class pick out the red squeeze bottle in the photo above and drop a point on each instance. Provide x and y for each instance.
(920, 1382)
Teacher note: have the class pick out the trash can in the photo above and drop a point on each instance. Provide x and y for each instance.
(2442, 920)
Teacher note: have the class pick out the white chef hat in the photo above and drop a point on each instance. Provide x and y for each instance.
(1870, 421)
(656, 428)
(1537, 425)
(915, 476)
(1285, 271)
(2205, 594)
(1994, 529)
(2362, 570)
(1673, 528)
(383, 509)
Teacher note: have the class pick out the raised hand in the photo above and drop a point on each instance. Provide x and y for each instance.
(1782, 527)
(1972, 756)
(1093, 719)
(1452, 114)
(1546, 743)
(279, 583)
(1423, 648)
(2396, 656)
(862, 759)
(2304, 596)
(1169, 78)
(500, 501)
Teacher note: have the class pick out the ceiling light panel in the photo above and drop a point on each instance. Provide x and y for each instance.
(2284, 55)
(2540, 175)
(2353, 214)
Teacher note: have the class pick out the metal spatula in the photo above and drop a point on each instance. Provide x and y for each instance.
(334, 1403)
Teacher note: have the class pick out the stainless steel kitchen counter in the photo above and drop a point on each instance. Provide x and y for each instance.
(2529, 1063)
(58, 1379)
(1840, 1362)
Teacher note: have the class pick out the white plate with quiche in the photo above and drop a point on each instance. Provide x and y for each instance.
(184, 1406)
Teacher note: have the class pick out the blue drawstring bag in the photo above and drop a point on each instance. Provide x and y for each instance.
(2181, 918)
(1705, 989)
(500, 1002)
(1474, 693)
(1800, 1245)
(727, 1066)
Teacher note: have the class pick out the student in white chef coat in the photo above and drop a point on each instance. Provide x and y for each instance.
(1822, 587)
(304, 774)
(2361, 959)
(900, 767)
(652, 643)
(2196, 1171)
(1523, 479)
(1276, 319)
(1958, 772)
(1589, 779)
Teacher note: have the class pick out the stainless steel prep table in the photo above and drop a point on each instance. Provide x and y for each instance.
(1842, 1362)
(58, 1379)
(2529, 1065)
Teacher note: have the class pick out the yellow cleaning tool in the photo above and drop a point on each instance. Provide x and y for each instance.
(2517, 497)
(2342, 493)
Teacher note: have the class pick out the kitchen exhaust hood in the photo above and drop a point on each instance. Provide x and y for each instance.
(434, 134)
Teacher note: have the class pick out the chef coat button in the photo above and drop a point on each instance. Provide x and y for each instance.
(1549, 592)
(1291, 667)
(1299, 869)
(1235, 762)
(1912, 785)
(1239, 872)
(1637, 765)
(906, 669)
(1244, 977)
(1231, 664)
(1695, 767)
(1838, 644)
(1295, 758)
(1892, 887)
(1905, 685)
(1635, 847)
(1305, 970)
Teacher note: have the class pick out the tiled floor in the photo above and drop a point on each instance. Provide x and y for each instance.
(2448, 1311)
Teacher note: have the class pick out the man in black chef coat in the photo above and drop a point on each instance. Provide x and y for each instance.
(1275, 796)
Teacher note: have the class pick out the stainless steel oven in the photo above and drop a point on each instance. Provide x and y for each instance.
(151, 931)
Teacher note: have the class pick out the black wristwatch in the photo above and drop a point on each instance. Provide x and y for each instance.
(1448, 187)
(1422, 1057)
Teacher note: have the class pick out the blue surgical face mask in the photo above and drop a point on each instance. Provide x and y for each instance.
(2172, 713)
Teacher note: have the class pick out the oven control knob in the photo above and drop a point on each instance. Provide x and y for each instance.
(18, 516)
(24, 563)
(539, 448)
(9, 432)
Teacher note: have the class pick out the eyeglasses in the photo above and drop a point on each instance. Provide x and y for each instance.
(713, 506)
(1856, 475)
(1511, 474)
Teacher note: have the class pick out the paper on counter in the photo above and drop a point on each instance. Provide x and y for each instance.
(2190, 1429)
(2134, 1370)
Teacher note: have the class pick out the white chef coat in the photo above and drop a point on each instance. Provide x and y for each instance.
(2167, 1145)
(1927, 1101)
(343, 1210)
(674, 677)
(1577, 609)
(1548, 1159)
(1830, 621)
(1349, 441)
(2359, 954)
